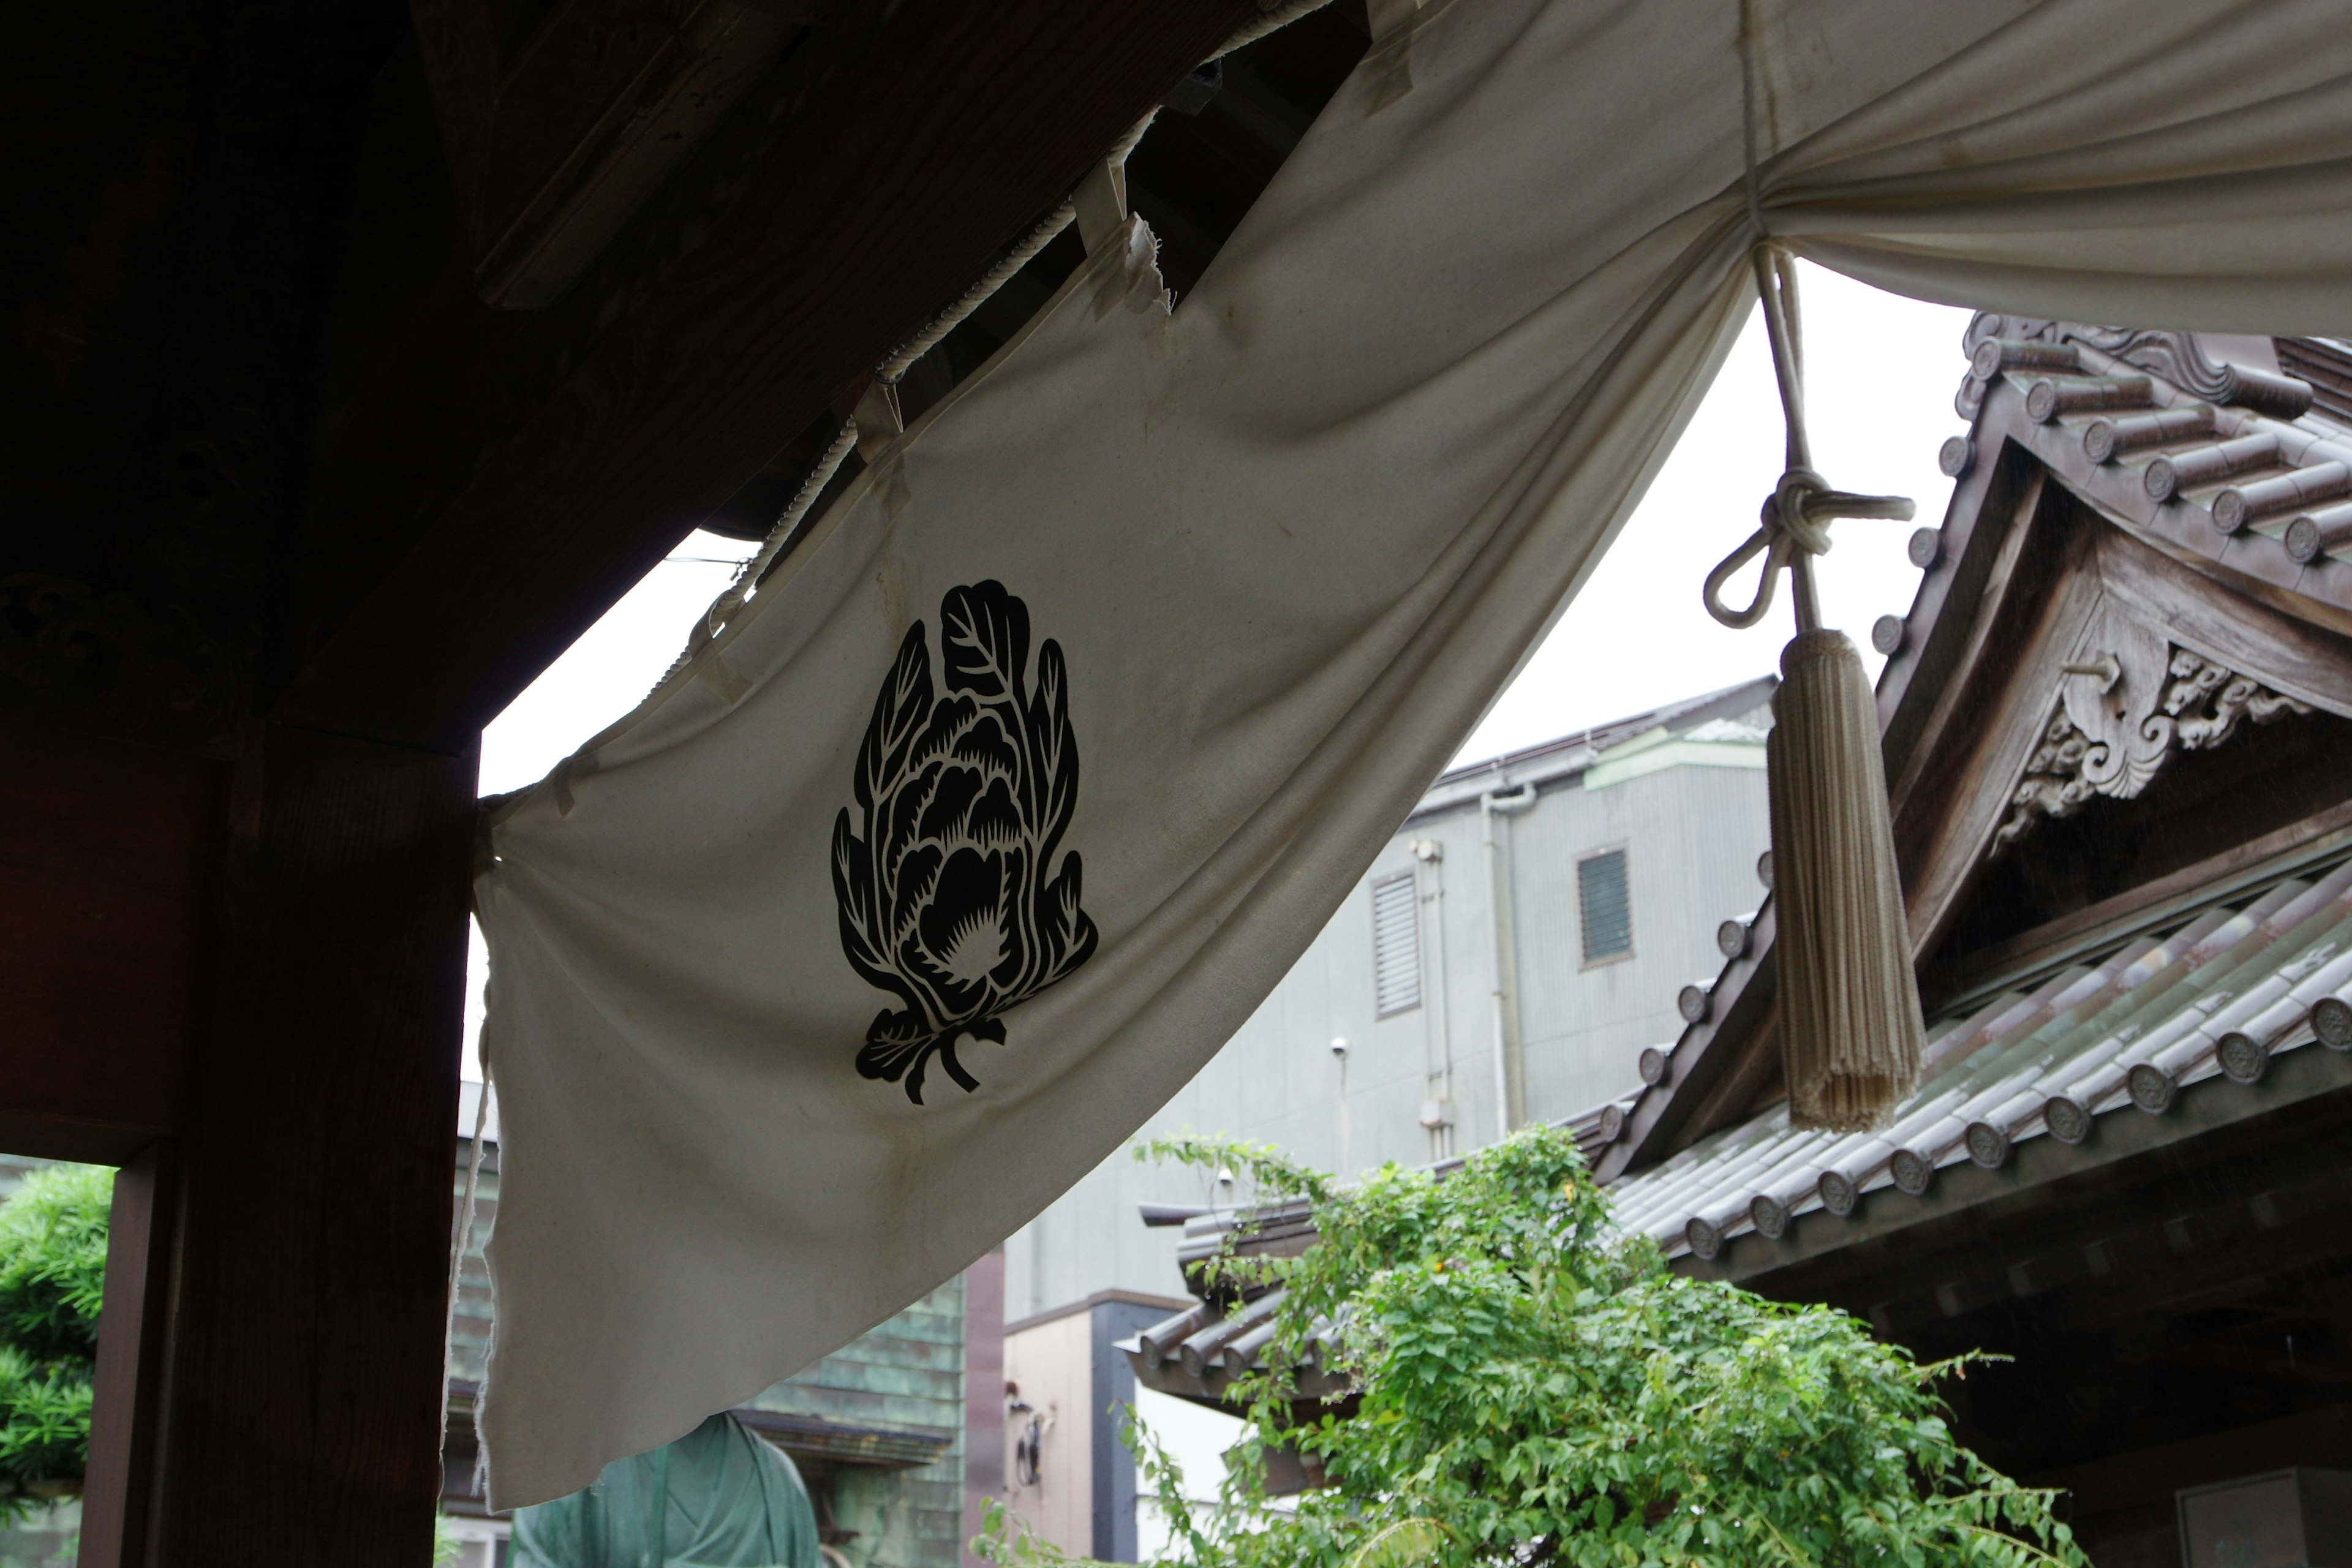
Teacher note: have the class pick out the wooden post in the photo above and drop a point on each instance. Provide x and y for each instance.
(303, 1363)
(119, 1487)
(983, 1396)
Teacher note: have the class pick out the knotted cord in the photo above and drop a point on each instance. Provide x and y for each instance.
(1793, 527)
(1849, 1000)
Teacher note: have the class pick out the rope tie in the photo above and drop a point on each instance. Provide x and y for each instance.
(1793, 525)
(1849, 1000)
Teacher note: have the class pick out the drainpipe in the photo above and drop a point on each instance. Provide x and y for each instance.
(1503, 967)
(1437, 1005)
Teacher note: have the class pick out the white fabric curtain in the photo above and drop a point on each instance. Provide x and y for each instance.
(1288, 544)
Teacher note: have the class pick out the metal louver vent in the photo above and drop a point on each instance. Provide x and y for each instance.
(1396, 944)
(1604, 906)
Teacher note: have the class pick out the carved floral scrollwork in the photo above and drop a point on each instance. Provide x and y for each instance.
(2090, 750)
(99, 662)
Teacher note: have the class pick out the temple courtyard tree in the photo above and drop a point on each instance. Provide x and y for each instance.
(1532, 1387)
(52, 1283)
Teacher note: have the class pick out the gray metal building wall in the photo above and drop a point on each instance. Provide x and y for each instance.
(1688, 807)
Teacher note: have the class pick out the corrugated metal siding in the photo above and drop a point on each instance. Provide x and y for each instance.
(2131, 1027)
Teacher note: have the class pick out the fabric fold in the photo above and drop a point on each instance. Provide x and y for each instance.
(1285, 544)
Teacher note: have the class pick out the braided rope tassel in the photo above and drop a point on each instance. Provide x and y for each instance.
(1850, 1024)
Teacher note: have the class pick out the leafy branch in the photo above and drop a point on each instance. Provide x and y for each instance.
(52, 1284)
(1528, 1386)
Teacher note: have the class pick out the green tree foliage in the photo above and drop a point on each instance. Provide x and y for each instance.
(1534, 1388)
(52, 1284)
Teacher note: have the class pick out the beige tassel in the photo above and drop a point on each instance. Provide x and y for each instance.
(1849, 1000)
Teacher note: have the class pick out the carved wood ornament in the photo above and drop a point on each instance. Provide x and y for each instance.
(2127, 705)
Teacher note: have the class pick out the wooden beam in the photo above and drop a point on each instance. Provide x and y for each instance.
(307, 1314)
(2207, 881)
(895, 187)
(2123, 1502)
(101, 880)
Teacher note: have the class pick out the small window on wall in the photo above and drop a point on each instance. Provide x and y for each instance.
(1604, 906)
(1396, 944)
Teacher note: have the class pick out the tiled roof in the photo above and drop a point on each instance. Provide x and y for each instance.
(2124, 1033)
(2327, 364)
(2244, 467)
(2246, 470)
(1197, 1353)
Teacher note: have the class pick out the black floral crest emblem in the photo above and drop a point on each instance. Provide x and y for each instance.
(949, 900)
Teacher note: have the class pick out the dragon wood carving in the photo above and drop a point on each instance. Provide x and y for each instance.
(2108, 740)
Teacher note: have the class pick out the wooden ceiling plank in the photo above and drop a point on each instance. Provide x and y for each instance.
(584, 123)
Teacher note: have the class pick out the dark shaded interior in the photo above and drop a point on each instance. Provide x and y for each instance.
(2178, 1315)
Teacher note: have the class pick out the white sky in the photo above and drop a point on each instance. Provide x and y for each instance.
(1196, 1437)
(1880, 374)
